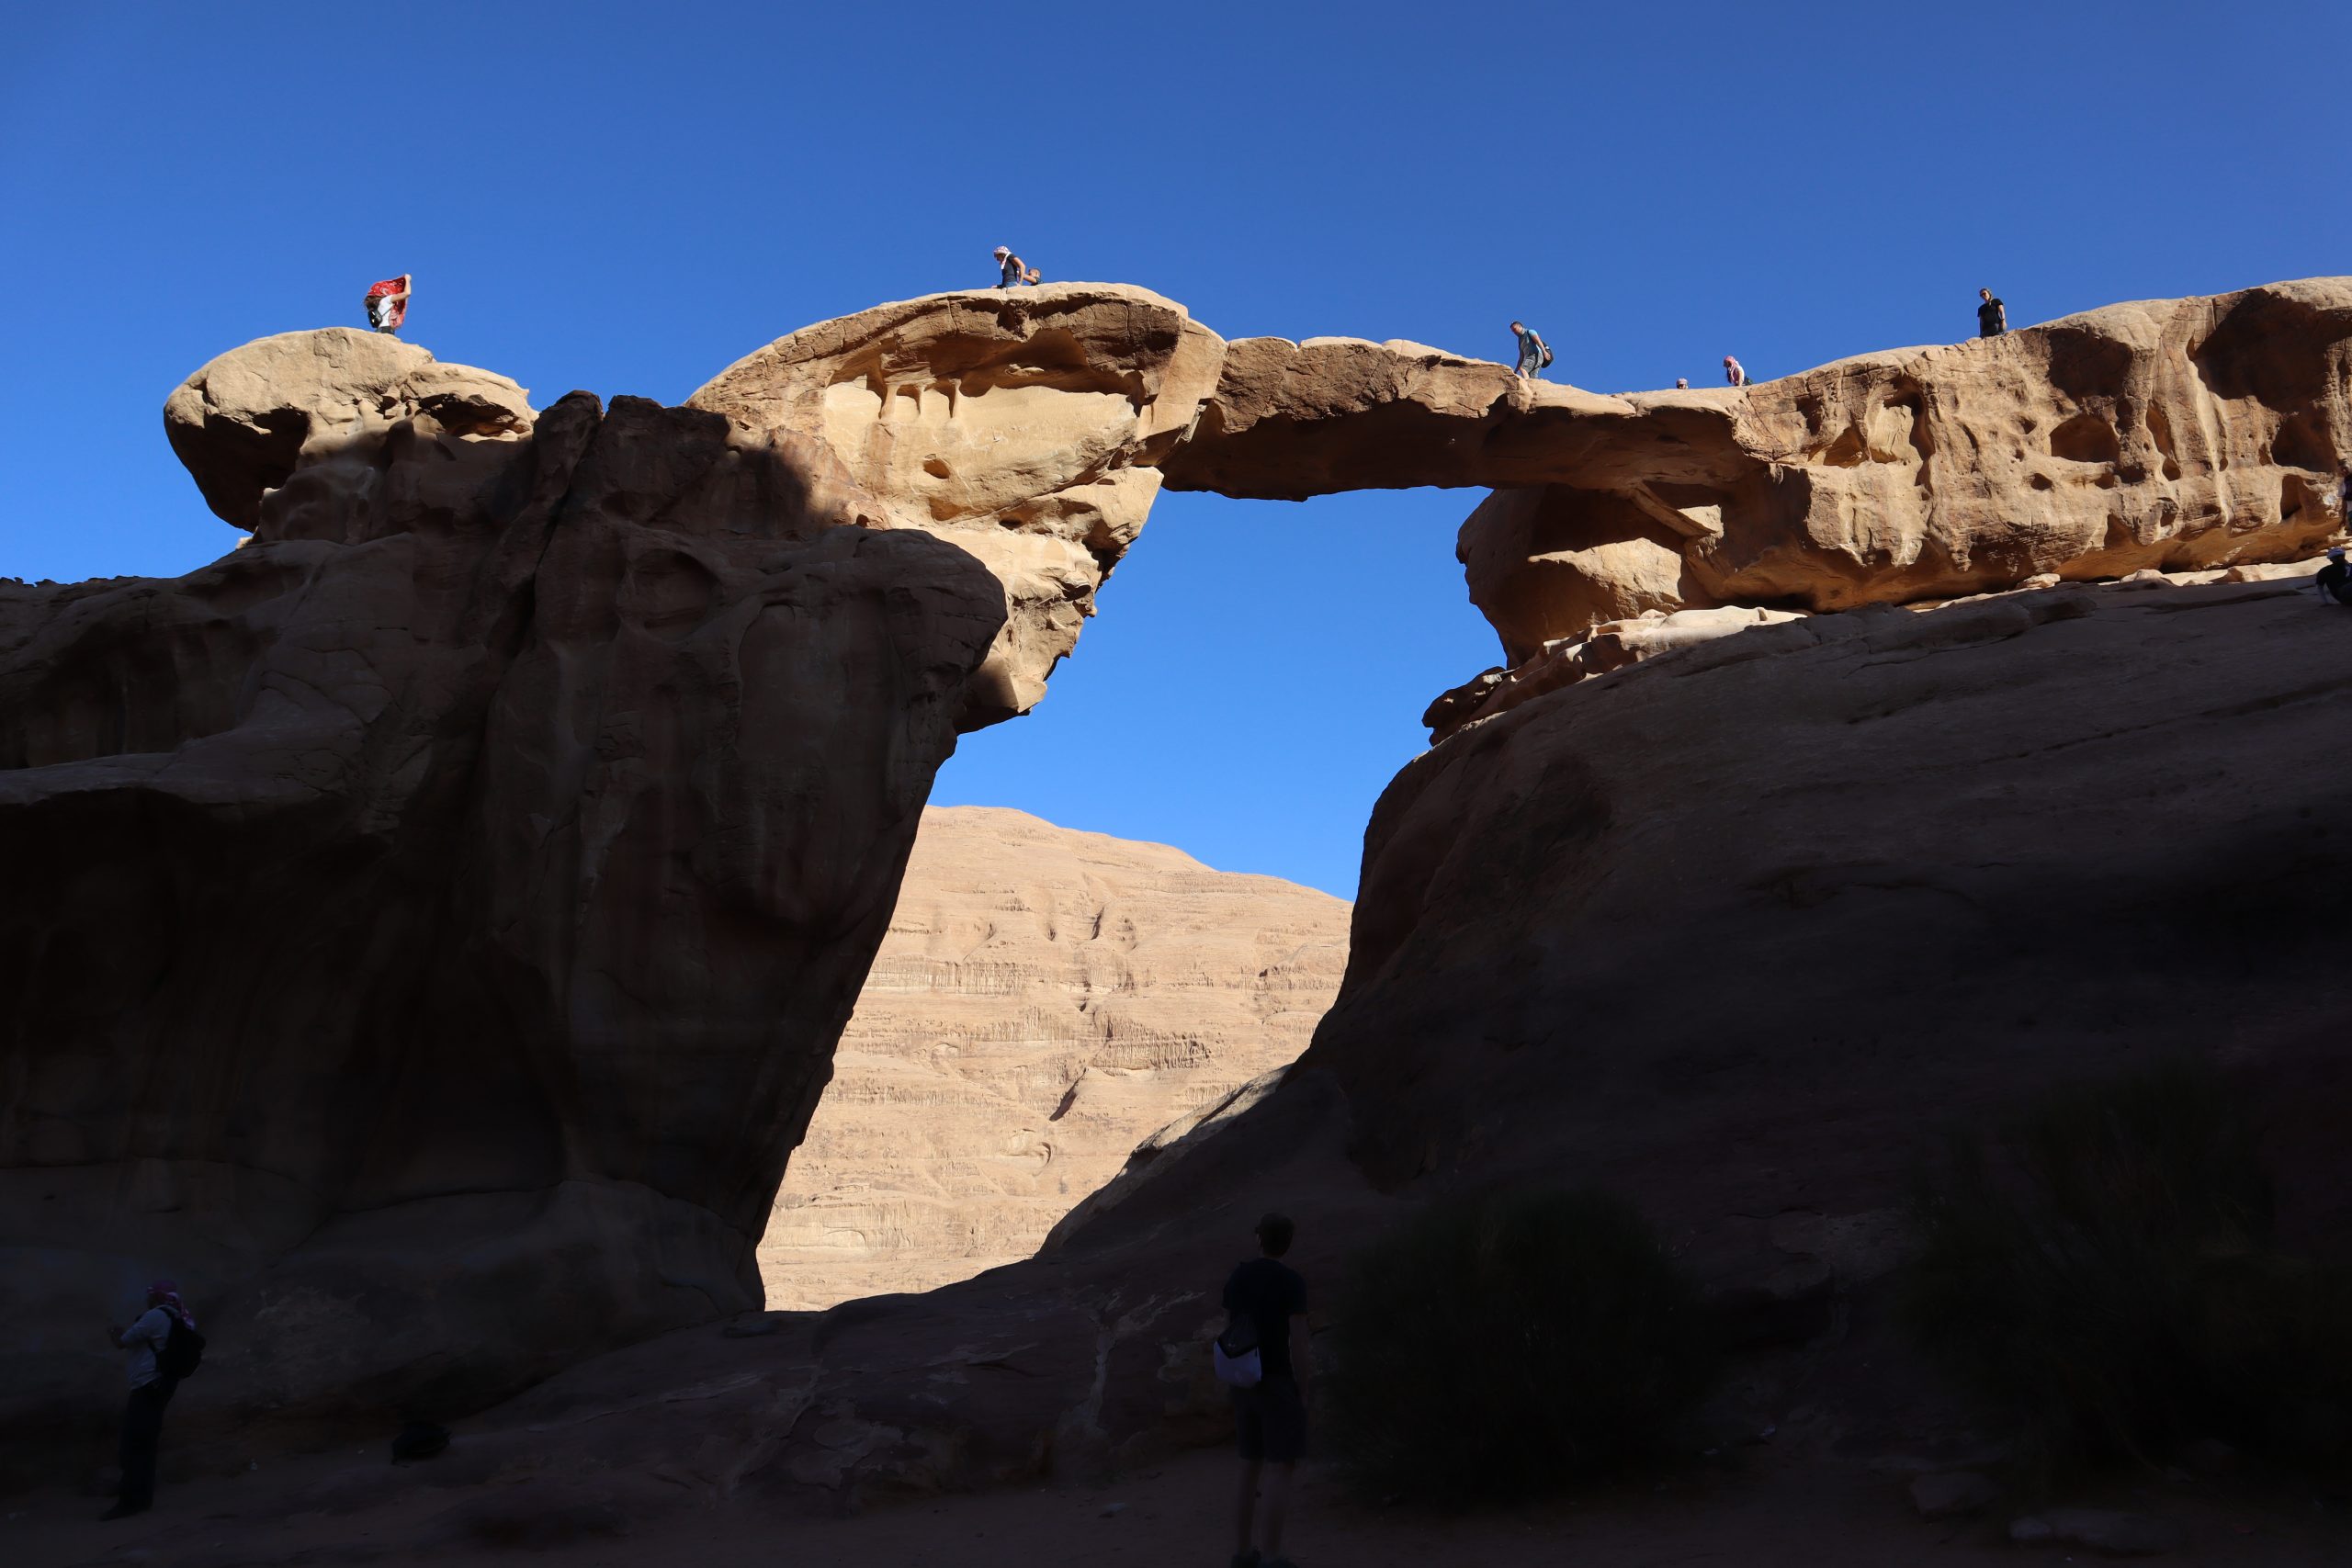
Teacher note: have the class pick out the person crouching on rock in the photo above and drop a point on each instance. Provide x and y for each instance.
(2334, 579)
(152, 1380)
(1011, 273)
(387, 303)
(1270, 1412)
(1735, 372)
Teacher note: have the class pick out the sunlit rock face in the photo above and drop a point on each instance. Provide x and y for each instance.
(1045, 1000)
(1026, 426)
(2175, 434)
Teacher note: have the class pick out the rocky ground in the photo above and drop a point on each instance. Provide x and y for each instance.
(1758, 1513)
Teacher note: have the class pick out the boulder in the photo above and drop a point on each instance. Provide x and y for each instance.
(243, 422)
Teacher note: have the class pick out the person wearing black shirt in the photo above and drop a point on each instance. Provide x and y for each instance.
(1271, 1417)
(2334, 579)
(1992, 316)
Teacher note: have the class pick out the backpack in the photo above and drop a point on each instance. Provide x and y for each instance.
(1233, 1353)
(183, 1351)
(1544, 362)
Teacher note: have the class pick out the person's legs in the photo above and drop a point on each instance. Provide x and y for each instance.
(1282, 1430)
(143, 1429)
(1245, 1510)
(1273, 1507)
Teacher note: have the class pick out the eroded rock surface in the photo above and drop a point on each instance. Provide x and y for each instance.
(2175, 434)
(433, 920)
(1026, 426)
(437, 917)
(1046, 1000)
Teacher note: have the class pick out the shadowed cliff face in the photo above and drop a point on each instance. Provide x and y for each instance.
(432, 920)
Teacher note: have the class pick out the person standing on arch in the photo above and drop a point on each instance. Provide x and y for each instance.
(1534, 353)
(1735, 373)
(387, 303)
(1992, 316)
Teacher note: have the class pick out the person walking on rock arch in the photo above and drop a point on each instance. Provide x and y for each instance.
(163, 1346)
(1992, 316)
(1534, 353)
(1268, 1300)
(387, 303)
(1735, 372)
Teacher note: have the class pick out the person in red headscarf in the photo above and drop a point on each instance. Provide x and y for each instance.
(156, 1365)
(387, 303)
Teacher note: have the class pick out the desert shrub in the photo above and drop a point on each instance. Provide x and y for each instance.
(2101, 1272)
(1494, 1347)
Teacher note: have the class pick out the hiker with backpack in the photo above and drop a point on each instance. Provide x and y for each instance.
(1534, 353)
(387, 303)
(1735, 373)
(163, 1347)
(1262, 1357)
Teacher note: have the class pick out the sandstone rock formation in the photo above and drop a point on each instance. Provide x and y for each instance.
(1045, 1000)
(1738, 931)
(434, 919)
(1024, 427)
(2173, 433)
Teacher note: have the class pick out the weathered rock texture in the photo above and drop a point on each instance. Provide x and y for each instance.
(1024, 425)
(433, 922)
(442, 911)
(1045, 1000)
(2172, 434)
(1737, 932)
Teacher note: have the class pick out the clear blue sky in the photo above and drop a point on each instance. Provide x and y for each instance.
(628, 198)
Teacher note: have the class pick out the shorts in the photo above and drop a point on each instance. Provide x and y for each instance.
(1271, 1422)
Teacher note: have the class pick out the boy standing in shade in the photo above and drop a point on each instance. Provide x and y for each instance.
(1271, 1415)
(151, 1389)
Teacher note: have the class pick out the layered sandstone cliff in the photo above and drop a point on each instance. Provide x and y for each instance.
(1045, 1000)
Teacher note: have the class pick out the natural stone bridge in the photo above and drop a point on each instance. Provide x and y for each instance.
(430, 924)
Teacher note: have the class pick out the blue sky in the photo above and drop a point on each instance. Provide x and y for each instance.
(628, 198)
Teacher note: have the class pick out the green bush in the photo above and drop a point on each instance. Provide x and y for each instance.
(2101, 1272)
(1494, 1347)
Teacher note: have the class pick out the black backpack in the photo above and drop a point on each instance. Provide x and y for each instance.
(183, 1351)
